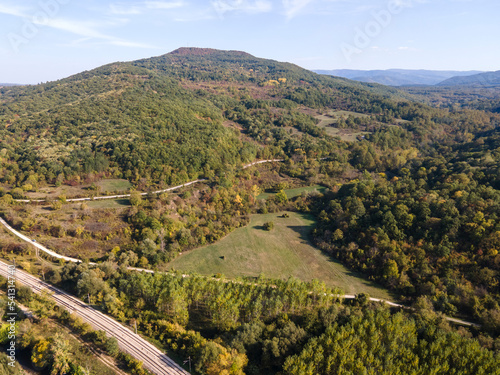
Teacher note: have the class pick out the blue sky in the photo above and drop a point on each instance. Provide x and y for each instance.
(44, 40)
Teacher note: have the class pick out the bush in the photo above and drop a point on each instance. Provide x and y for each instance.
(24, 294)
(269, 226)
(112, 347)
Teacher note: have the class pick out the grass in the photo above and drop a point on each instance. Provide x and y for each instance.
(325, 122)
(111, 185)
(291, 193)
(283, 252)
(345, 114)
(108, 203)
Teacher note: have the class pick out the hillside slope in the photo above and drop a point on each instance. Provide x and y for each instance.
(169, 118)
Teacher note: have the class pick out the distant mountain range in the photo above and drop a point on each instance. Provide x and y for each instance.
(488, 79)
(9, 84)
(399, 77)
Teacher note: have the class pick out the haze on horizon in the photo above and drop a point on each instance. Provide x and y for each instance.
(44, 40)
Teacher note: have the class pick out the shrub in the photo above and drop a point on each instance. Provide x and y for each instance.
(269, 226)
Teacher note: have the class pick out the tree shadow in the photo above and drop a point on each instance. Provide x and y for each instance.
(122, 202)
(304, 232)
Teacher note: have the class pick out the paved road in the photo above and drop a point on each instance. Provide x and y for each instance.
(153, 359)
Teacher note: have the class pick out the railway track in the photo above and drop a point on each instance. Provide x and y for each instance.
(153, 359)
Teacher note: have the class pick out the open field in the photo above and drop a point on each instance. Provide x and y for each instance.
(111, 185)
(285, 251)
(291, 193)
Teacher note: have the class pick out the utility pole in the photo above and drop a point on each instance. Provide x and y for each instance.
(188, 360)
(88, 296)
(135, 324)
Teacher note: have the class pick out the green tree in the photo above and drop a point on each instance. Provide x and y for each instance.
(135, 198)
(281, 197)
(60, 351)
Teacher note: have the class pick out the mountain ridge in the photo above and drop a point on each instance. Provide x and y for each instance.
(398, 77)
(481, 79)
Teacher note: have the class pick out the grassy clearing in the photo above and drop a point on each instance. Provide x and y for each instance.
(285, 251)
(345, 114)
(108, 203)
(325, 122)
(291, 193)
(111, 185)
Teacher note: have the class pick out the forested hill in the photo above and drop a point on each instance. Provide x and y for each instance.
(195, 112)
(170, 118)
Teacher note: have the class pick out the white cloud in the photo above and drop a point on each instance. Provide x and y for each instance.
(294, 7)
(406, 48)
(244, 6)
(122, 8)
(13, 10)
(127, 43)
(72, 26)
(408, 3)
(164, 4)
(86, 30)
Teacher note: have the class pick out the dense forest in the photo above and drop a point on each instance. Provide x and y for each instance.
(272, 326)
(169, 119)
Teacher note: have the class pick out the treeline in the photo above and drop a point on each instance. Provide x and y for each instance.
(382, 343)
(164, 226)
(187, 314)
(272, 326)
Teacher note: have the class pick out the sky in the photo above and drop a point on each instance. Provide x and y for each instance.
(46, 40)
